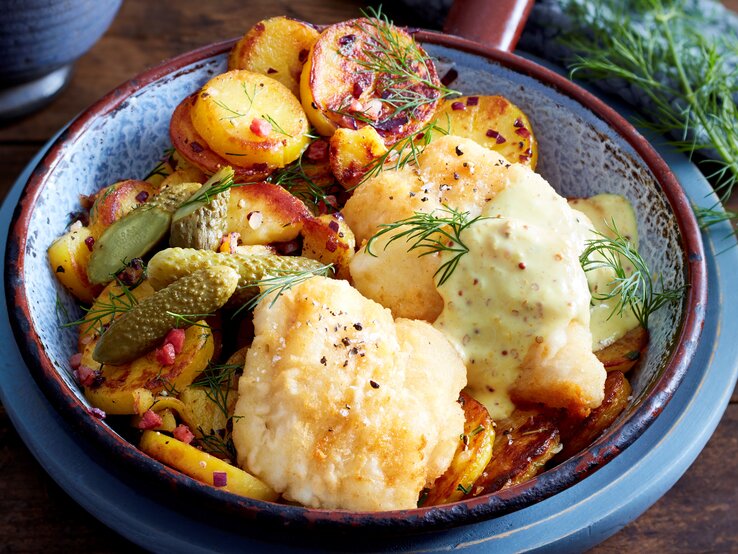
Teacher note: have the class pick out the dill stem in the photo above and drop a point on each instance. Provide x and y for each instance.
(717, 140)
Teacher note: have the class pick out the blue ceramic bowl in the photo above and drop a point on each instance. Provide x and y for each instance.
(585, 149)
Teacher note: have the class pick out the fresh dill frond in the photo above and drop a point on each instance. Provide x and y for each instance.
(224, 106)
(711, 216)
(188, 320)
(251, 96)
(277, 284)
(406, 150)
(160, 168)
(437, 231)
(404, 71)
(632, 286)
(103, 312)
(220, 446)
(295, 179)
(213, 187)
(276, 126)
(661, 48)
(216, 380)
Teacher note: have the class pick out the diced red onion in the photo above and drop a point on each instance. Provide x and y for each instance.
(220, 478)
(456, 106)
(472, 101)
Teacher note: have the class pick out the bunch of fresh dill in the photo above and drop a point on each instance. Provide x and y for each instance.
(676, 61)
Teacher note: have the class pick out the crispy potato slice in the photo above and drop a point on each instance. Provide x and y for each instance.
(248, 119)
(472, 455)
(193, 148)
(277, 47)
(113, 392)
(493, 122)
(345, 82)
(577, 434)
(117, 200)
(68, 257)
(264, 213)
(524, 442)
(624, 353)
(202, 466)
(352, 153)
(329, 240)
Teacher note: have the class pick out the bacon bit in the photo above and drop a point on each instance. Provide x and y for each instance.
(518, 123)
(90, 242)
(271, 71)
(220, 478)
(523, 132)
(449, 77)
(196, 147)
(333, 226)
(331, 201)
(317, 151)
(176, 338)
(303, 55)
(331, 244)
(260, 127)
(521, 265)
(260, 167)
(373, 109)
(472, 101)
(183, 433)
(97, 412)
(85, 375)
(150, 420)
(456, 106)
(259, 27)
(357, 89)
(75, 360)
(355, 106)
(166, 354)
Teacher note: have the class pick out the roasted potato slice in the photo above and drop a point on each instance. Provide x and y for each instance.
(329, 240)
(277, 47)
(248, 118)
(204, 467)
(113, 389)
(352, 153)
(524, 442)
(193, 148)
(472, 455)
(351, 80)
(69, 256)
(117, 200)
(493, 122)
(576, 435)
(624, 353)
(263, 213)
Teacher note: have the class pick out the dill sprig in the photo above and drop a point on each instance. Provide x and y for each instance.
(284, 280)
(182, 321)
(298, 182)
(103, 312)
(405, 151)
(437, 231)
(276, 126)
(632, 285)
(216, 381)
(402, 66)
(221, 446)
(668, 56)
(161, 167)
(220, 182)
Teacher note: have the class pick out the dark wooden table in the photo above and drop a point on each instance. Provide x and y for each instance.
(698, 515)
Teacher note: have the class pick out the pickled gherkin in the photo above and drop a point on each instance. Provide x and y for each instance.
(173, 263)
(143, 327)
(133, 235)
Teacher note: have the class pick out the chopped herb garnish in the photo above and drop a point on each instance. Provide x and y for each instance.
(189, 320)
(464, 489)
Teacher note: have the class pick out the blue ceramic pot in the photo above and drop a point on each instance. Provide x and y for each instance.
(39, 40)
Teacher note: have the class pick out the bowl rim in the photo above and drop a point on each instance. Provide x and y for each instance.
(129, 458)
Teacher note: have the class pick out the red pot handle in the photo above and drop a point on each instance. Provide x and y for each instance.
(494, 23)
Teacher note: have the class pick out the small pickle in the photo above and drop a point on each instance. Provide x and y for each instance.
(133, 235)
(203, 228)
(174, 263)
(146, 324)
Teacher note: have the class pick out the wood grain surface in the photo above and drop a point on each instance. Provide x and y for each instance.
(697, 515)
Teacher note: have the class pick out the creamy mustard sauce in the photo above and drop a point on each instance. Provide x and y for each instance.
(602, 210)
(521, 283)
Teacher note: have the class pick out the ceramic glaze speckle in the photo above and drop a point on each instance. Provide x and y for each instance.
(580, 155)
